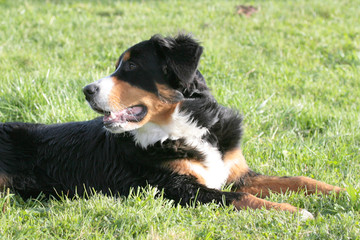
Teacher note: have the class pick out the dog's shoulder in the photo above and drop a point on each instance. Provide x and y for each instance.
(224, 124)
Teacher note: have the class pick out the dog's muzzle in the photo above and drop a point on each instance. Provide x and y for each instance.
(91, 91)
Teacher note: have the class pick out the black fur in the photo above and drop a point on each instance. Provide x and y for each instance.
(181, 55)
(75, 157)
(224, 124)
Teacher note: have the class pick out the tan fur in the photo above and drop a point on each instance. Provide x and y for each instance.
(124, 95)
(235, 160)
(165, 92)
(126, 56)
(160, 112)
(262, 185)
(250, 201)
(184, 167)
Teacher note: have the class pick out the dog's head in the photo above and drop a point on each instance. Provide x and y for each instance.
(150, 80)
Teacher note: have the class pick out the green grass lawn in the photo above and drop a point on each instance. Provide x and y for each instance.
(292, 69)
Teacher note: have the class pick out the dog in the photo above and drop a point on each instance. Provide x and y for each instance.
(161, 127)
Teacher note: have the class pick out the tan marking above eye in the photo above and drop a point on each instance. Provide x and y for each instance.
(126, 56)
(124, 95)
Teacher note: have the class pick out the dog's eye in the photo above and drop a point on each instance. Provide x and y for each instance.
(130, 66)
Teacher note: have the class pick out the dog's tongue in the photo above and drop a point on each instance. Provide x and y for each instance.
(128, 114)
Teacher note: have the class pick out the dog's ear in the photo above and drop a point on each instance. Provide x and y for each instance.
(182, 55)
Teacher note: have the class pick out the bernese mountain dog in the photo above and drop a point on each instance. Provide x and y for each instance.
(161, 126)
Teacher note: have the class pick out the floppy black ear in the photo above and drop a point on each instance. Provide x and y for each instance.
(182, 55)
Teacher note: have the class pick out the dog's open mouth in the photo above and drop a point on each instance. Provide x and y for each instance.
(130, 114)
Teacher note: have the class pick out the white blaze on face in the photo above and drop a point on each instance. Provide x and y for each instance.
(105, 86)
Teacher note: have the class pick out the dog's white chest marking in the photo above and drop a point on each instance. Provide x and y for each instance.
(213, 170)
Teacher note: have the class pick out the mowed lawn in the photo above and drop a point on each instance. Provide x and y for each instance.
(292, 69)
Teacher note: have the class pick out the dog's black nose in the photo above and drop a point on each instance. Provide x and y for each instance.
(90, 90)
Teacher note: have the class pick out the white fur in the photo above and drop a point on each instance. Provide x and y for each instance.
(180, 126)
(122, 127)
(105, 86)
(214, 171)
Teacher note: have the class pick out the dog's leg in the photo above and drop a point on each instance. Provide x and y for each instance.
(262, 185)
(185, 189)
(244, 180)
(250, 201)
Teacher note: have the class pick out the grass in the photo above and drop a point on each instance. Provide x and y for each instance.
(292, 69)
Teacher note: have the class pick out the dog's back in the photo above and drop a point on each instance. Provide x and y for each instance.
(38, 158)
(78, 157)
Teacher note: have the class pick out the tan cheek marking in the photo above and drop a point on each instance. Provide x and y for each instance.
(124, 95)
(167, 93)
(236, 162)
(164, 116)
(184, 167)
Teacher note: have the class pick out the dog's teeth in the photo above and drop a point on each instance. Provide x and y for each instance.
(112, 116)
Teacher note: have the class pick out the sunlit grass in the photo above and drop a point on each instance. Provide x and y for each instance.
(292, 69)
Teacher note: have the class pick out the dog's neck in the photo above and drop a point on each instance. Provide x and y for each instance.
(213, 169)
(180, 126)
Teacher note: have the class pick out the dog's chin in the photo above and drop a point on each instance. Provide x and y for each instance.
(121, 127)
(125, 120)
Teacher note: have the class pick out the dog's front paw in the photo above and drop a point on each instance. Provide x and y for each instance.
(305, 215)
